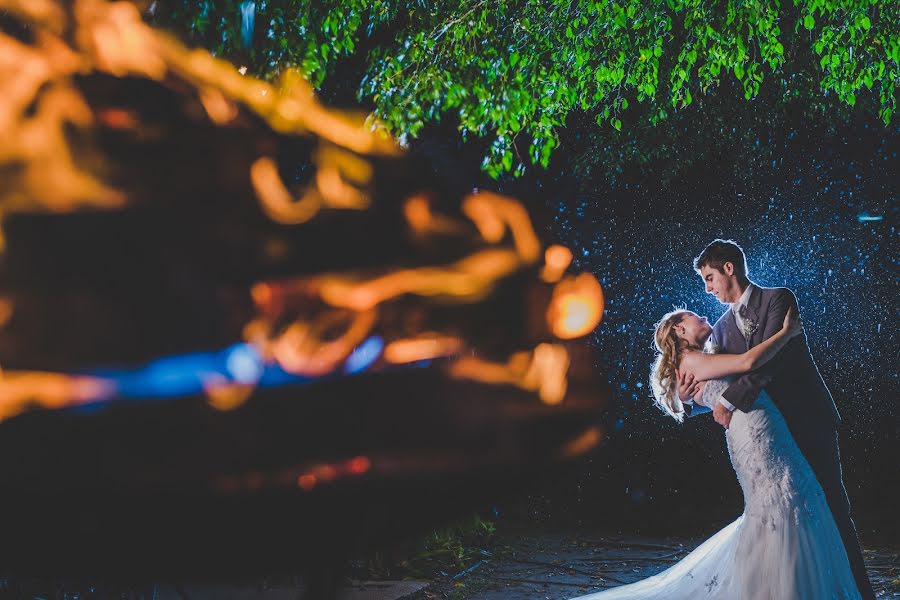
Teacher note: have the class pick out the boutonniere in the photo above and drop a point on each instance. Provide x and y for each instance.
(751, 327)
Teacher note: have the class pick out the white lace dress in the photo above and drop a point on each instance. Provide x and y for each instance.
(785, 546)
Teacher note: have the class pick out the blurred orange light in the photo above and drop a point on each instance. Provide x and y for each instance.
(583, 443)
(217, 106)
(412, 350)
(40, 104)
(543, 370)
(417, 213)
(224, 394)
(547, 373)
(342, 177)
(469, 278)
(556, 260)
(303, 347)
(422, 220)
(306, 481)
(6, 310)
(274, 197)
(359, 465)
(118, 118)
(268, 299)
(576, 307)
(326, 473)
(493, 214)
(21, 390)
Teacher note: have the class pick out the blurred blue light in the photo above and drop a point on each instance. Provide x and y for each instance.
(863, 217)
(364, 355)
(170, 376)
(186, 375)
(244, 363)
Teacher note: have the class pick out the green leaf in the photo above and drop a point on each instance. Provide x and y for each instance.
(617, 123)
(509, 67)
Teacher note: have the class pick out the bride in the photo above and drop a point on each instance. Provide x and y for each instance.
(786, 545)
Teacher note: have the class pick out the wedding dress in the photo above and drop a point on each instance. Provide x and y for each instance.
(785, 546)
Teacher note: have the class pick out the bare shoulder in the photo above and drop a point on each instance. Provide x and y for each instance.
(690, 359)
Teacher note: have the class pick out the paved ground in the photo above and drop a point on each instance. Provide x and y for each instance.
(554, 565)
(284, 590)
(537, 564)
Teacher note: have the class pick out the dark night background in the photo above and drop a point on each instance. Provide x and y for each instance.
(807, 185)
(796, 194)
(809, 189)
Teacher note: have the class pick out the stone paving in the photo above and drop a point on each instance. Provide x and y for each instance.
(555, 565)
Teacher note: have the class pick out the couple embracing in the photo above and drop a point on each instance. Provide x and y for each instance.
(753, 369)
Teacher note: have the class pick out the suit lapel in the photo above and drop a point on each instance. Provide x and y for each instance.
(729, 336)
(753, 306)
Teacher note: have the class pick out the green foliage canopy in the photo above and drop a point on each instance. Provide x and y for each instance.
(513, 71)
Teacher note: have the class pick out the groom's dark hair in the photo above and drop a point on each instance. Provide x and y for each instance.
(719, 252)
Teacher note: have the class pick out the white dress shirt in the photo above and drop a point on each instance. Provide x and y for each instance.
(736, 311)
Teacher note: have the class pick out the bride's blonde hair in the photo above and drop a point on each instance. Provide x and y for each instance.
(662, 376)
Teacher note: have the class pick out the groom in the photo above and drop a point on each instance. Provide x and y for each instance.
(791, 379)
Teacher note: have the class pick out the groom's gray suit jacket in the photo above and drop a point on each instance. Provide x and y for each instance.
(790, 378)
